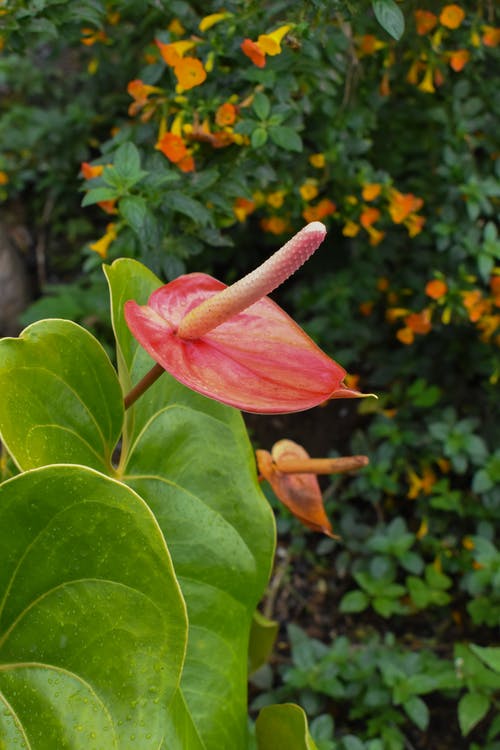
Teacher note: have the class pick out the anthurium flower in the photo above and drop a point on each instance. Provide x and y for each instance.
(235, 345)
(292, 475)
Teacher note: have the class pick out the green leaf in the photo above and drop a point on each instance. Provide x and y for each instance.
(127, 162)
(61, 399)
(96, 195)
(489, 655)
(263, 634)
(354, 601)
(134, 210)
(92, 622)
(390, 17)
(188, 206)
(283, 726)
(286, 138)
(261, 105)
(417, 711)
(189, 457)
(258, 137)
(472, 707)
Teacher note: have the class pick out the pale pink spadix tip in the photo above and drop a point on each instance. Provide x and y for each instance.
(255, 285)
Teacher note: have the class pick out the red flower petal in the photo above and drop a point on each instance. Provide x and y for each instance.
(258, 361)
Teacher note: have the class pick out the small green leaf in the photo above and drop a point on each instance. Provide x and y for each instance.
(283, 726)
(472, 708)
(417, 711)
(134, 210)
(96, 195)
(286, 138)
(489, 655)
(127, 161)
(354, 601)
(390, 17)
(261, 105)
(188, 206)
(258, 137)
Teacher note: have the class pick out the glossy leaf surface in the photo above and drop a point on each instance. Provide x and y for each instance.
(61, 400)
(92, 623)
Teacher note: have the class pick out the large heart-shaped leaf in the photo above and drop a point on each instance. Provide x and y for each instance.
(61, 399)
(190, 459)
(92, 622)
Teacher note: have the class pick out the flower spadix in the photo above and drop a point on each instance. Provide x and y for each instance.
(292, 475)
(234, 344)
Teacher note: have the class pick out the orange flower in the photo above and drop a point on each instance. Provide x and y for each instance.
(225, 115)
(317, 160)
(4, 177)
(242, 208)
(459, 59)
(436, 288)
(495, 289)
(350, 229)
(385, 87)
(451, 16)
(89, 171)
(139, 92)
(405, 335)
(324, 208)
(369, 216)
(475, 304)
(371, 191)
(382, 283)
(414, 224)
(254, 52)
(376, 236)
(270, 44)
(101, 246)
(274, 225)
(491, 36)
(309, 190)
(366, 308)
(414, 71)
(369, 44)
(172, 53)
(427, 83)
(419, 322)
(172, 146)
(109, 207)
(276, 198)
(425, 21)
(189, 72)
(401, 205)
(92, 36)
(423, 484)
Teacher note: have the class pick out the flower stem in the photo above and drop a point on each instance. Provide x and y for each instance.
(255, 285)
(147, 381)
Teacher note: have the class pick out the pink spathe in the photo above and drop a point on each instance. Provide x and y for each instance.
(256, 358)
